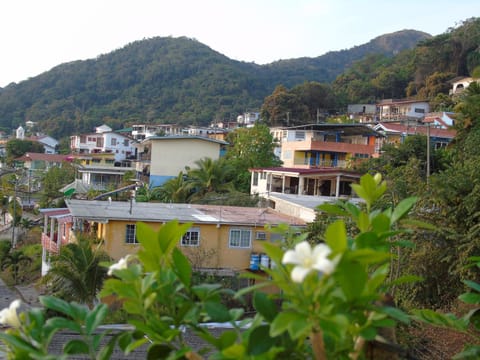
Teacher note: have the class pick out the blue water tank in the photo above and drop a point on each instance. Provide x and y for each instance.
(254, 261)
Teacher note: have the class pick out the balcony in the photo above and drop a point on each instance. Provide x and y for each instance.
(330, 146)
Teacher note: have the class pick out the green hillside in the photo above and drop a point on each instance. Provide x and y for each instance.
(167, 80)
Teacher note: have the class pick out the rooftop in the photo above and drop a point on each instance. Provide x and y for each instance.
(103, 211)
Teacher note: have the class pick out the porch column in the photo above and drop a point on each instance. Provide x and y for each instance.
(283, 184)
(269, 182)
(59, 235)
(337, 189)
(300, 190)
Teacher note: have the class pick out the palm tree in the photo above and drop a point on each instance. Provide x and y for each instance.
(76, 273)
(14, 259)
(173, 190)
(209, 176)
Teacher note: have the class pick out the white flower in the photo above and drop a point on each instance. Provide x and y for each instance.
(9, 316)
(120, 265)
(307, 260)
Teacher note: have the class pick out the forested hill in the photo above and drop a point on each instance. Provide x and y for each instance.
(167, 80)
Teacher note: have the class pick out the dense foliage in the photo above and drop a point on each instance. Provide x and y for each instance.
(166, 80)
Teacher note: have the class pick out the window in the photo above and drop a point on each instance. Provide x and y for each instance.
(255, 178)
(125, 142)
(113, 141)
(299, 135)
(191, 237)
(240, 238)
(131, 234)
(261, 235)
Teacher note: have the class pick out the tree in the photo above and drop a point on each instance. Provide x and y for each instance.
(209, 176)
(14, 260)
(53, 180)
(283, 108)
(173, 190)
(16, 148)
(76, 273)
(250, 148)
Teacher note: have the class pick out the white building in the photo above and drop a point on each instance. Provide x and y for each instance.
(143, 131)
(104, 142)
(248, 119)
(402, 110)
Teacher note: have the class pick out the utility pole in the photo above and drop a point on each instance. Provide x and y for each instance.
(14, 217)
(428, 121)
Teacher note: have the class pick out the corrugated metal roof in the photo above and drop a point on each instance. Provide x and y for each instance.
(161, 212)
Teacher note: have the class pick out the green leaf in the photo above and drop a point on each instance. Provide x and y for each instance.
(336, 237)
(76, 346)
(396, 314)
(265, 306)
(182, 267)
(363, 222)
(95, 318)
(56, 304)
(368, 240)
(227, 339)
(281, 322)
(470, 352)
(63, 323)
(472, 284)
(236, 351)
(381, 223)
(159, 351)
(368, 333)
(470, 298)
(217, 311)
(403, 208)
(299, 327)
(473, 318)
(352, 278)
(259, 340)
(332, 209)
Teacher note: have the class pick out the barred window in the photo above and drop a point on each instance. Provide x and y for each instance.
(191, 237)
(131, 234)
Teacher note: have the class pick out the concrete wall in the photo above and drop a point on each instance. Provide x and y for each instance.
(213, 251)
(169, 157)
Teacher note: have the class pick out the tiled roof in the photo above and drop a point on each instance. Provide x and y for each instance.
(44, 157)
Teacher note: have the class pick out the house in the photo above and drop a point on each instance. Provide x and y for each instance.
(402, 110)
(332, 182)
(49, 144)
(100, 171)
(395, 134)
(324, 145)
(104, 141)
(161, 158)
(364, 113)
(460, 83)
(441, 119)
(221, 238)
(248, 119)
(37, 164)
(142, 131)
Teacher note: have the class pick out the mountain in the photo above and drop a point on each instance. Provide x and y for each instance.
(165, 80)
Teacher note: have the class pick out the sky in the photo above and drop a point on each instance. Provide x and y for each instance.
(37, 35)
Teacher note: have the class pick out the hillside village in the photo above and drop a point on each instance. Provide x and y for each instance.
(317, 167)
(119, 179)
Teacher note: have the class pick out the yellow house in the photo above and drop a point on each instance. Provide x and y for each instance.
(220, 238)
(161, 158)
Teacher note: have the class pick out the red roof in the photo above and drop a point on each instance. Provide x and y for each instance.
(422, 130)
(44, 157)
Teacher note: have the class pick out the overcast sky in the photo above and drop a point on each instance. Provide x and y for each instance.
(37, 35)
